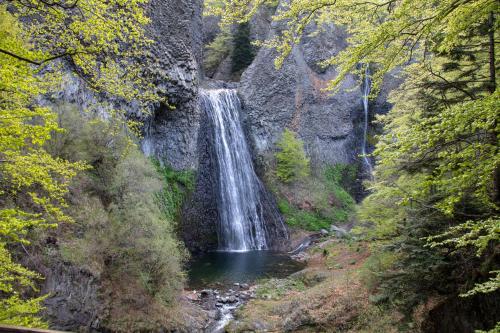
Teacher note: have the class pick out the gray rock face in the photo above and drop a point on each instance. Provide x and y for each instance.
(200, 214)
(74, 302)
(171, 135)
(292, 97)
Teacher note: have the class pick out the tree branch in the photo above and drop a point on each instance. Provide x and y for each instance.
(35, 62)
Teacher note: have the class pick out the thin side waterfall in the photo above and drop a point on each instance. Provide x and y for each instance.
(366, 93)
(241, 226)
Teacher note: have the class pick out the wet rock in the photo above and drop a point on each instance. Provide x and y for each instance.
(339, 232)
(301, 256)
(206, 293)
(213, 314)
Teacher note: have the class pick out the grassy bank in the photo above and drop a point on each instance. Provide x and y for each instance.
(329, 295)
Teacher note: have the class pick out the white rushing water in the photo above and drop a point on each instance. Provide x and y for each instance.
(241, 225)
(366, 94)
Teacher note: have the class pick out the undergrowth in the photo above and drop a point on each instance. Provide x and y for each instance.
(177, 186)
(316, 202)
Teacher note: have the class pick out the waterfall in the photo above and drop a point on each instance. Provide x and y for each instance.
(366, 93)
(241, 224)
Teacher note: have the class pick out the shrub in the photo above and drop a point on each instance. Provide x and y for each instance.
(292, 163)
(177, 185)
(302, 219)
(120, 229)
(343, 175)
(315, 203)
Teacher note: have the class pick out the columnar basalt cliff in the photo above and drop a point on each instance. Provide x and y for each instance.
(171, 134)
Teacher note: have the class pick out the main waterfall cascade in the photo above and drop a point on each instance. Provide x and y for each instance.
(366, 94)
(241, 222)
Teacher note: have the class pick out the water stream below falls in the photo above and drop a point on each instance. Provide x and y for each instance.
(224, 281)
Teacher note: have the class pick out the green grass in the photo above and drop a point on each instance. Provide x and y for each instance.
(277, 288)
(330, 201)
(302, 219)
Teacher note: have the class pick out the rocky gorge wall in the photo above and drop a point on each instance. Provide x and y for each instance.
(171, 134)
(293, 97)
(272, 100)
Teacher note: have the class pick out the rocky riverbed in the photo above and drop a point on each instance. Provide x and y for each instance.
(220, 304)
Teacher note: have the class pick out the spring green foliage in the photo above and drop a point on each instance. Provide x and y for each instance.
(232, 41)
(387, 33)
(90, 35)
(104, 40)
(15, 310)
(236, 45)
(292, 163)
(496, 329)
(34, 184)
(434, 200)
(298, 218)
(438, 173)
(120, 232)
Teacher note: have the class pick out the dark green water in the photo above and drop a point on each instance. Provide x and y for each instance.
(219, 269)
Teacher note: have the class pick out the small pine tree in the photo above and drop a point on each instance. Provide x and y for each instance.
(292, 161)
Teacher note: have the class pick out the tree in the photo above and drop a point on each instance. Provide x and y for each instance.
(389, 33)
(218, 50)
(117, 206)
(33, 182)
(291, 159)
(434, 198)
(243, 53)
(102, 42)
